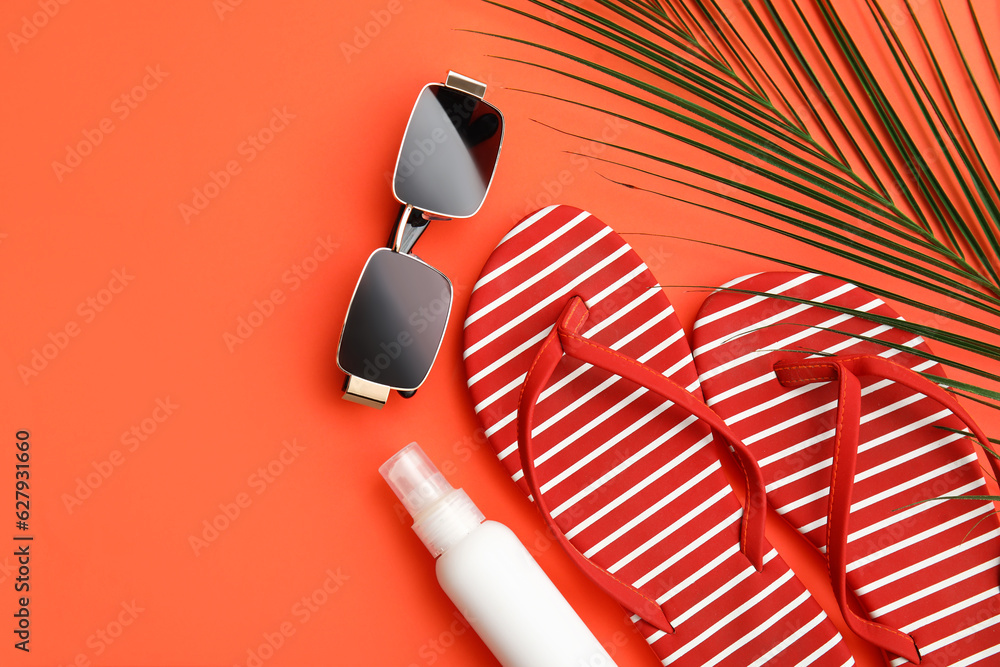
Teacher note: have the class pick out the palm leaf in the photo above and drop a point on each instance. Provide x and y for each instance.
(854, 176)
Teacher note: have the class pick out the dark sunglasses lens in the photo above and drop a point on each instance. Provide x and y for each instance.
(449, 152)
(396, 321)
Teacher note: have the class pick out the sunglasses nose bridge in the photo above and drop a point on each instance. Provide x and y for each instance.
(410, 226)
(400, 229)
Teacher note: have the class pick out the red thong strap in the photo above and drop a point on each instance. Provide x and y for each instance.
(564, 339)
(846, 371)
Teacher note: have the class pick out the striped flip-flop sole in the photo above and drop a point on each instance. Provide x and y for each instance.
(929, 569)
(634, 482)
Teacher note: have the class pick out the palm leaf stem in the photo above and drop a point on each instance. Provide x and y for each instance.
(803, 64)
(804, 96)
(657, 15)
(719, 55)
(861, 117)
(682, 23)
(931, 500)
(649, 5)
(890, 122)
(749, 72)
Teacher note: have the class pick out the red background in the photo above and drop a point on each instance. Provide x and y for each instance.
(338, 98)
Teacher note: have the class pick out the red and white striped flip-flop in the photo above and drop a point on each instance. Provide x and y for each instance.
(848, 437)
(582, 377)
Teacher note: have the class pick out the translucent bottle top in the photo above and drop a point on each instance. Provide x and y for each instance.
(442, 515)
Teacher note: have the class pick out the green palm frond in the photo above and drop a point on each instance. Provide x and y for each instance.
(888, 167)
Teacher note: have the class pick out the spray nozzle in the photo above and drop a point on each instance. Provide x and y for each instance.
(414, 479)
(441, 514)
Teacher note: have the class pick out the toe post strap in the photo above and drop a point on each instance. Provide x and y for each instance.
(588, 351)
(545, 362)
(828, 369)
(846, 371)
(566, 339)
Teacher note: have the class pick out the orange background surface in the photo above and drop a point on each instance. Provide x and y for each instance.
(152, 416)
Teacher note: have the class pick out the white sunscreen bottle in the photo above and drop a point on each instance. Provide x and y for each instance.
(493, 580)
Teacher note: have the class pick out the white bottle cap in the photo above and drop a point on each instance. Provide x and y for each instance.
(441, 514)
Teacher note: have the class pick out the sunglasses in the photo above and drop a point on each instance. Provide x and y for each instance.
(399, 311)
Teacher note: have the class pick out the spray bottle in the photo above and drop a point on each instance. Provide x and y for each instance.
(489, 575)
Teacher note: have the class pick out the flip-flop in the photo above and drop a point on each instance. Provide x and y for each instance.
(571, 350)
(849, 436)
